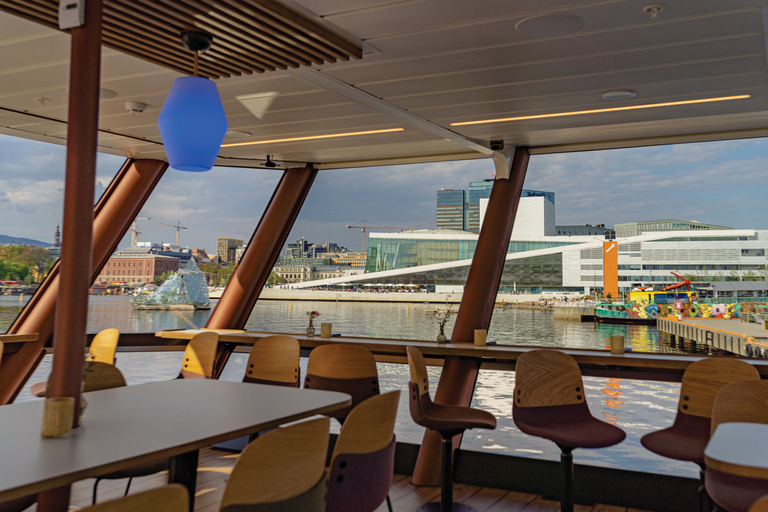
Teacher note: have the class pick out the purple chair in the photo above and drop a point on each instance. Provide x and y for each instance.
(549, 402)
(449, 421)
(688, 436)
(363, 459)
(344, 368)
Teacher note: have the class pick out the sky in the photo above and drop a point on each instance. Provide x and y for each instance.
(723, 183)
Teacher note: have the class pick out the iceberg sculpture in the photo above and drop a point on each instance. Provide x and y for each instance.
(185, 289)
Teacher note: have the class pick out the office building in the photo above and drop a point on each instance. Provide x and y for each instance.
(227, 249)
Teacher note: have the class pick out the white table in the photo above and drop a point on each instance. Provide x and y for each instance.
(129, 425)
(739, 449)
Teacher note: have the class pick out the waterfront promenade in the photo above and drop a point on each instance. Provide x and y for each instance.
(376, 295)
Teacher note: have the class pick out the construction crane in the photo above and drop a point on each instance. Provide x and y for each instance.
(364, 227)
(135, 231)
(178, 227)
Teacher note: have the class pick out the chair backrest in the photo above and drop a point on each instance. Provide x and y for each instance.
(200, 356)
(418, 369)
(760, 505)
(370, 426)
(98, 376)
(169, 498)
(103, 346)
(363, 459)
(280, 465)
(344, 368)
(274, 360)
(741, 401)
(704, 378)
(545, 378)
(1, 351)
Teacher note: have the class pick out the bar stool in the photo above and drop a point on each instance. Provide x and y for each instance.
(732, 487)
(448, 421)
(688, 436)
(550, 403)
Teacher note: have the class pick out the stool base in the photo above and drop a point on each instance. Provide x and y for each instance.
(436, 507)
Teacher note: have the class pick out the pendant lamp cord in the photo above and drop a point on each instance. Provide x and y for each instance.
(196, 57)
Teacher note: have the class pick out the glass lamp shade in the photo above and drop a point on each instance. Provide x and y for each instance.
(192, 124)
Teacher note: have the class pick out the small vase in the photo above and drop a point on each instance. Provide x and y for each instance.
(83, 405)
(441, 337)
(310, 329)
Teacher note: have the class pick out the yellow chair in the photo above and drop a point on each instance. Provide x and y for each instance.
(274, 360)
(200, 356)
(169, 498)
(103, 346)
(760, 505)
(281, 470)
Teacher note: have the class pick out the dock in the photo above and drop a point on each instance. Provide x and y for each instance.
(740, 338)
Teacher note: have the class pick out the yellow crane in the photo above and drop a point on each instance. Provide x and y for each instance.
(135, 231)
(364, 227)
(178, 227)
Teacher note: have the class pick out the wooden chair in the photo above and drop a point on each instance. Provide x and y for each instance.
(688, 436)
(102, 350)
(363, 459)
(760, 505)
(274, 360)
(103, 346)
(282, 470)
(730, 487)
(169, 498)
(344, 368)
(18, 504)
(100, 376)
(199, 356)
(447, 420)
(550, 402)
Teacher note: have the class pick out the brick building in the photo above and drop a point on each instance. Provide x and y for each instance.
(136, 268)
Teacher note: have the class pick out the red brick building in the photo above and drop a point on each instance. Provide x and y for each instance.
(136, 268)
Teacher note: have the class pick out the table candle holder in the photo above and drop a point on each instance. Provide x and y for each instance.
(57, 416)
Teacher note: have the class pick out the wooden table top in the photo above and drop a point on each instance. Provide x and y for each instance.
(493, 353)
(129, 425)
(739, 449)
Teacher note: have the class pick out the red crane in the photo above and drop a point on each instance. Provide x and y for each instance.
(675, 286)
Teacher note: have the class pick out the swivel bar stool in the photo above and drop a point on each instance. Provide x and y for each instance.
(550, 403)
(448, 420)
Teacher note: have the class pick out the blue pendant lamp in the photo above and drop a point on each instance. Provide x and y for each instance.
(192, 122)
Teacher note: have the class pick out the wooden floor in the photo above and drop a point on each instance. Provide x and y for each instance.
(214, 467)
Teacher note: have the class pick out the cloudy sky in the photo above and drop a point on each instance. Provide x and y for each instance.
(723, 183)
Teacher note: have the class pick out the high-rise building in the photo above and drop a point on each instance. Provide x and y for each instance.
(227, 249)
(461, 209)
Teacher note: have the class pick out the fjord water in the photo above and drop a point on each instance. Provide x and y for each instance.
(636, 406)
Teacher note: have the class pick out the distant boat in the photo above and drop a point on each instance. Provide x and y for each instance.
(185, 289)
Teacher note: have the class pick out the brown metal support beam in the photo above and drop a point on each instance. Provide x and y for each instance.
(457, 380)
(113, 214)
(263, 249)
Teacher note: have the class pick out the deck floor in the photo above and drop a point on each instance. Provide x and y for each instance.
(214, 466)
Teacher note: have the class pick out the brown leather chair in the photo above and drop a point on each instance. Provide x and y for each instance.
(274, 360)
(199, 356)
(732, 488)
(448, 421)
(549, 402)
(280, 471)
(169, 498)
(688, 436)
(344, 368)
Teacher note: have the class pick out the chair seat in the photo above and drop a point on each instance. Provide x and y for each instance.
(450, 419)
(684, 440)
(734, 493)
(145, 469)
(572, 426)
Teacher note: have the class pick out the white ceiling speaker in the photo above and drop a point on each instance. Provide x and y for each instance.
(135, 107)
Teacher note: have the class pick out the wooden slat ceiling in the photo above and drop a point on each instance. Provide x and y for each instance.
(250, 36)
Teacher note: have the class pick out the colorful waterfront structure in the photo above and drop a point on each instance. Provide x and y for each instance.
(314, 86)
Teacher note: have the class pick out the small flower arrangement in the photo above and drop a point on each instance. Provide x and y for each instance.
(442, 318)
(313, 314)
(311, 329)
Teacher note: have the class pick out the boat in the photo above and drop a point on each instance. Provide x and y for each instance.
(645, 305)
(182, 290)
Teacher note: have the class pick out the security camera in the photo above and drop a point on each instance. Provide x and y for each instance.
(135, 108)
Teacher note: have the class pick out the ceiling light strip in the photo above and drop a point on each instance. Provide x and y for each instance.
(603, 110)
(312, 137)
